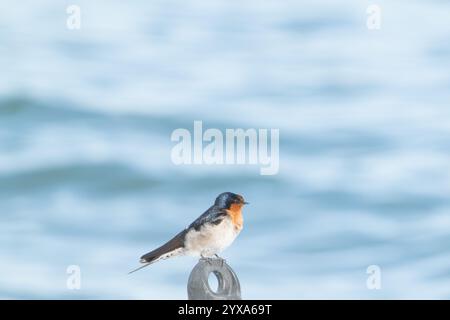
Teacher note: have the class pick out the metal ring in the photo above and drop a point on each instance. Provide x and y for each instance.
(228, 283)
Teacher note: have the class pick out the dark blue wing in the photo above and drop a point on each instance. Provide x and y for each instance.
(213, 215)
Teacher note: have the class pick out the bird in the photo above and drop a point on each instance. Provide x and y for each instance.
(207, 236)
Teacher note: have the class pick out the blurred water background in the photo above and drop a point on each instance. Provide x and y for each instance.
(86, 117)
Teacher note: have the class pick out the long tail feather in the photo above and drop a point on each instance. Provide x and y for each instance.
(145, 265)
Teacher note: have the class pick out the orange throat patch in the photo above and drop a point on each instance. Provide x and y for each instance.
(235, 213)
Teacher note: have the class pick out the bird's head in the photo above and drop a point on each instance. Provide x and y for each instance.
(227, 199)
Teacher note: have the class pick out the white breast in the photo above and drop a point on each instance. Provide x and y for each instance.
(211, 239)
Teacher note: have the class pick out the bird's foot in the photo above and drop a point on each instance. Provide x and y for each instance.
(211, 260)
(222, 260)
(208, 260)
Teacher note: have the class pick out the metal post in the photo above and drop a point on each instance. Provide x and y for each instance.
(198, 286)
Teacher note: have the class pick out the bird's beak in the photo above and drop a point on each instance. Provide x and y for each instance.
(245, 202)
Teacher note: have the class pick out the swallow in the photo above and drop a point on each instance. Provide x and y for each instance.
(208, 235)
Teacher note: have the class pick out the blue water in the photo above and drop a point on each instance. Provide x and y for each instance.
(86, 117)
